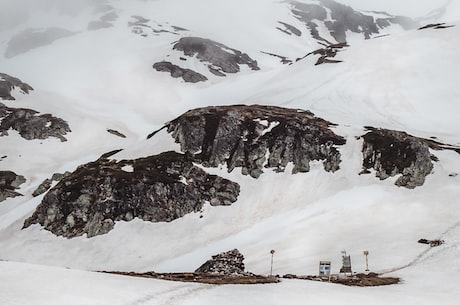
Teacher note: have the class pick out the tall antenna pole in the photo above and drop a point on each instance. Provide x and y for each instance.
(271, 262)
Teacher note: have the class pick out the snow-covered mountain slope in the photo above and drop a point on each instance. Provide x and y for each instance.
(101, 78)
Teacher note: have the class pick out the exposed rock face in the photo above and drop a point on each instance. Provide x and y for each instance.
(254, 137)
(33, 38)
(46, 184)
(8, 83)
(392, 153)
(221, 58)
(30, 125)
(326, 54)
(187, 75)
(343, 18)
(159, 188)
(9, 182)
(226, 263)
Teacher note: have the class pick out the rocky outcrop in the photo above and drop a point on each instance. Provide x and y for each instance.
(256, 137)
(392, 153)
(326, 54)
(46, 184)
(31, 125)
(158, 188)
(226, 263)
(9, 182)
(8, 83)
(340, 19)
(33, 38)
(187, 75)
(220, 58)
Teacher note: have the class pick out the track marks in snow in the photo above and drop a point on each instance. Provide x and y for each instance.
(431, 251)
(171, 296)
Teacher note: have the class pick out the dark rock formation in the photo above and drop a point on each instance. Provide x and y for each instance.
(158, 188)
(226, 263)
(187, 75)
(392, 153)
(8, 83)
(46, 184)
(289, 29)
(254, 137)
(343, 18)
(116, 133)
(30, 125)
(326, 54)
(33, 38)
(220, 57)
(436, 26)
(9, 182)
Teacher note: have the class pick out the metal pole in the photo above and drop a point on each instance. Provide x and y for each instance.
(271, 263)
(366, 253)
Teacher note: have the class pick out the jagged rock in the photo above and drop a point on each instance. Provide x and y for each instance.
(46, 184)
(327, 53)
(226, 263)
(8, 83)
(116, 133)
(30, 125)
(33, 38)
(392, 153)
(340, 19)
(187, 75)
(158, 188)
(9, 182)
(254, 137)
(220, 57)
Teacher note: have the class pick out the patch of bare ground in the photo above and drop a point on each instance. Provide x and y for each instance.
(359, 279)
(204, 278)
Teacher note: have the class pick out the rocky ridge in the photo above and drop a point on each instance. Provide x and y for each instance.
(8, 83)
(31, 125)
(217, 58)
(256, 137)
(158, 188)
(340, 19)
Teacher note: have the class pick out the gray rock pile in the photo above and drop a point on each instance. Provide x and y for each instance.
(226, 263)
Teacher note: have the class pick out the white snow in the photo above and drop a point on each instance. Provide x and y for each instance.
(104, 79)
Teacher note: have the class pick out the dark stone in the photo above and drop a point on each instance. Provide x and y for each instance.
(392, 153)
(30, 125)
(221, 57)
(226, 263)
(158, 188)
(254, 137)
(8, 83)
(9, 182)
(187, 75)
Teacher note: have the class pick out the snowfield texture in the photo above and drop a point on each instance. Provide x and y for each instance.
(91, 66)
